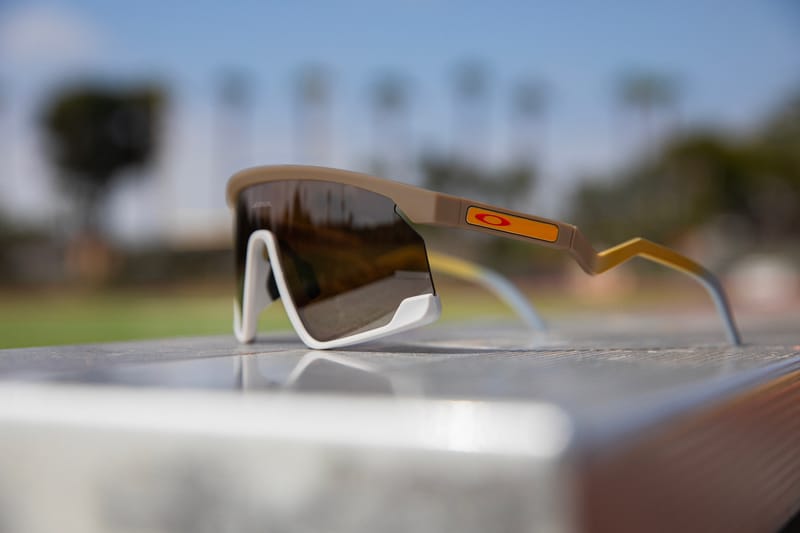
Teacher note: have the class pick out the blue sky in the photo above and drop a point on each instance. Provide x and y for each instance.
(734, 61)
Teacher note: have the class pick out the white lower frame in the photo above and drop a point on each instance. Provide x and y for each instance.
(413, 312)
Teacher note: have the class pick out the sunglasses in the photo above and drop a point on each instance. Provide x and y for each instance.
(338, 249)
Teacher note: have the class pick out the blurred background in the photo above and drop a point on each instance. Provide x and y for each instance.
(120, 124)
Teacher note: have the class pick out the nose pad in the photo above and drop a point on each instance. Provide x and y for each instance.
(308, 278)
(302, 272)
(263, 273)
(272, 286)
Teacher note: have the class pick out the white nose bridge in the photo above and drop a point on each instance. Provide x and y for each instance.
(256, 296)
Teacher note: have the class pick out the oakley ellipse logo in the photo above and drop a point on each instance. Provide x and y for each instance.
(493, 220)
(508, 223)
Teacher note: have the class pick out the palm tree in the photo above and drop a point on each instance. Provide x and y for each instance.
(527, 121)
(471, 106)
(94, 134)
(647, 93)
(3, 156)
(312, 115)
(390, 101)
(233, 128)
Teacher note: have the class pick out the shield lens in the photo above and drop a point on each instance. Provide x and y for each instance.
(347, 257)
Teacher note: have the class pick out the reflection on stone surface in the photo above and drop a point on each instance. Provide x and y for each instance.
(329, 372)
(320, 372)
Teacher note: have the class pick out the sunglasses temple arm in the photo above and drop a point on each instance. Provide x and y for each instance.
(493, 282)
(593, 262)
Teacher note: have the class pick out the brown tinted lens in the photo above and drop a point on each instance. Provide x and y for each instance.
(348, 258)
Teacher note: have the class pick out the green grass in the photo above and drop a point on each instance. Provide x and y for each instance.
(74, 317)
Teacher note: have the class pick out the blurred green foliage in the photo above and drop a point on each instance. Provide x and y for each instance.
(698, 177)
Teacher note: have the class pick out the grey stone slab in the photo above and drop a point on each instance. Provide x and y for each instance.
(603, 425)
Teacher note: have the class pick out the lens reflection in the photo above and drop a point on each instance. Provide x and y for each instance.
(348, 258)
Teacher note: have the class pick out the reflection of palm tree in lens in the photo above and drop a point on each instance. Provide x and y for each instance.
(390, 136)
(312, 116)
(328, 205)
(471, 121)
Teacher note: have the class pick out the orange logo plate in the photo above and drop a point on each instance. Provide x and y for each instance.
(506, 223)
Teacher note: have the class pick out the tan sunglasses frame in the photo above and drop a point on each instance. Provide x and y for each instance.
(422, 206)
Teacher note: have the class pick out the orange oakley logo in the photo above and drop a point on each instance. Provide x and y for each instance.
(506, 223)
